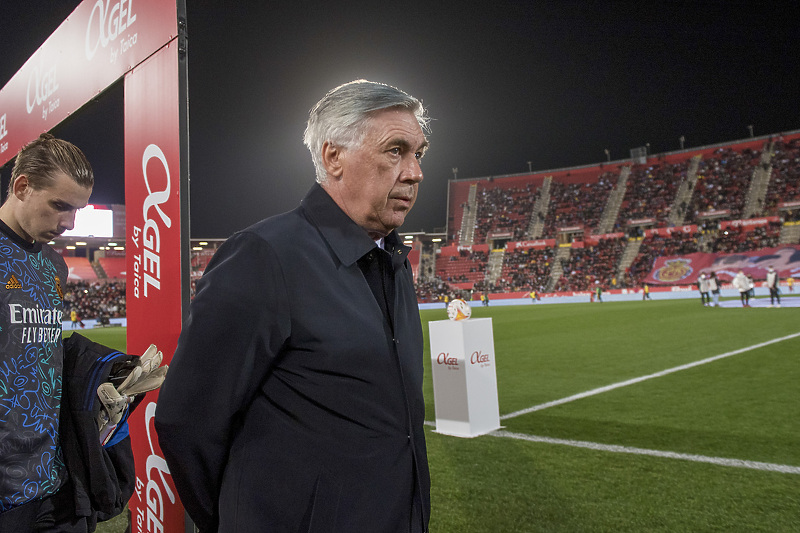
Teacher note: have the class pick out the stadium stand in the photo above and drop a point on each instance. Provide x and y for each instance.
(606, 225)
(650, 192)
(462, 267)
(435, 290)
(746, 238)
(525, 269)
(96, 299)
(503, 212)
(784, 185)
(414, 260)
(591, 266)
(200, 261)
(577, 204)
(80, 269)
(113, 267)
(722, 183)
(655, 246)
(706, 191)
(459, 200)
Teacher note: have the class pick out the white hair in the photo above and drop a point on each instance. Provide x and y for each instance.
(342, 114)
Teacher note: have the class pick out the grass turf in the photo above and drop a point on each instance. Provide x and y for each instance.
(741, 407)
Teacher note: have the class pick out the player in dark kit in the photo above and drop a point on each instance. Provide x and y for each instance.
(54, 473)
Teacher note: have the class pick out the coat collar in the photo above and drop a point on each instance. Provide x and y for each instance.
(348, 240)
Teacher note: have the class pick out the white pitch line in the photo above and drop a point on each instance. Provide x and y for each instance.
(720, 461)
(633, 381)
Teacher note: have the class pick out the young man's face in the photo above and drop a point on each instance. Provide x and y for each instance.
(380, 178)
(44, 214)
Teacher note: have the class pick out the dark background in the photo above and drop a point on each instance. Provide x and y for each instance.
(553, 83)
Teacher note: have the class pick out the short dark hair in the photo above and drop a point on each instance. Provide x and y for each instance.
(42, 158)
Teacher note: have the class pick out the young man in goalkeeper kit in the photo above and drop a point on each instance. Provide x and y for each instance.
(65, 458)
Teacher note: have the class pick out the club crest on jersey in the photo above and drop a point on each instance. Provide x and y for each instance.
(59, 290)
(13, 283)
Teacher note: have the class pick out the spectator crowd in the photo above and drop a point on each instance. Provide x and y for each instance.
(96, 299)
(505, 212)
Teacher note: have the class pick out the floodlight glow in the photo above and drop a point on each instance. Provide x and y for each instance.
(92, 222)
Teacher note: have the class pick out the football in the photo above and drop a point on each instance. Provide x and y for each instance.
(458, 309)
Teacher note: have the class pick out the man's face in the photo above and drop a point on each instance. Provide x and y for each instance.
(380, 178)
(46, 213)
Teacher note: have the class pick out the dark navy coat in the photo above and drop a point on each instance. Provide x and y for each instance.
(292, 403)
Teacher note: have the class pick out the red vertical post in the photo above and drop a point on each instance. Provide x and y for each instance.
(156, 193)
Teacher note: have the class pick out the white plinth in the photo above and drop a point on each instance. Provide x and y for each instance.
(464, 377)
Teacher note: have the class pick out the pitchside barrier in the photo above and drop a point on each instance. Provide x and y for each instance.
(143, 42)
(673, 292)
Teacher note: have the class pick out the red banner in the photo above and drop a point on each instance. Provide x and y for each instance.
(571, 229)
(714, 213)
(749, 224)
(98, 43)
(538, 244)
(593, 240)
(666, 232)
(153, 214)
(682, 270)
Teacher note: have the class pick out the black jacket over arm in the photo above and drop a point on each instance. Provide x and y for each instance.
(102, 478)
(292, 403)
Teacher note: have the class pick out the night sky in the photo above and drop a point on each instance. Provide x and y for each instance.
(553, 83)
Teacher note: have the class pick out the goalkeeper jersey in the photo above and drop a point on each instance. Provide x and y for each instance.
(31, 364)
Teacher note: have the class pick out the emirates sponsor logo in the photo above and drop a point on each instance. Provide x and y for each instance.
(21, 314)
(34, 324)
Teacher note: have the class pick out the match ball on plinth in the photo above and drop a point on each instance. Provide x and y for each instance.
(458, 309)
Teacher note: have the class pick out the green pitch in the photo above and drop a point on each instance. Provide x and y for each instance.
(572, 467)
(112, 337)
(744, 406)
